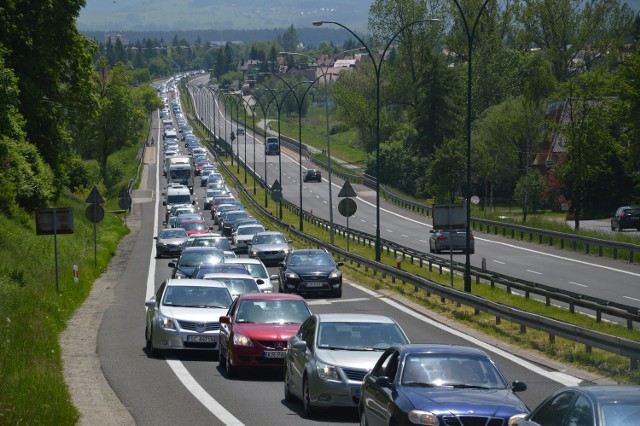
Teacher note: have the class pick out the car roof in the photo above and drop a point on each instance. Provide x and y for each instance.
(244, 260)
(349, 317)
(201, 249)
(607, 392)
(309, 251)
(194, 282)
(437, 348)
(270, 296)
(214, 275)
(270, 233)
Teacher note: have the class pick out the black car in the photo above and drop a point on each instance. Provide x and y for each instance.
(310, 271)
(227, 221)
(312, 175)
(626, 218)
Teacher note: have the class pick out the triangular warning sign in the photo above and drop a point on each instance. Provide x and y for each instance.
(276, 186)
(347, 190)
(94, 197)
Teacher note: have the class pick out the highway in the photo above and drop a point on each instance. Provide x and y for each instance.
(190, 388)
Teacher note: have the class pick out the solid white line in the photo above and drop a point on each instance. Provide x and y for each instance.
(631, 298)
(198, 391)
(533, 272)
(578, 284)
(563, 378)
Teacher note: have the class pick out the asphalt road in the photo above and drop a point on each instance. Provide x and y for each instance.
(190, 388)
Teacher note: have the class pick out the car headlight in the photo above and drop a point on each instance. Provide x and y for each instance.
(241, 340)
(161, 244)
(291, 276)
(328, 372)
(253, 253)
(286, 251)
(335, 274)
(180, 275)
(419, 417)
(166, 323)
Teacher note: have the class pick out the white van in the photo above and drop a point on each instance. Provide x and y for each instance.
(176, 194)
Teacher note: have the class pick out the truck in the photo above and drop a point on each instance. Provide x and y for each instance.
(272, 146)
(180, 170)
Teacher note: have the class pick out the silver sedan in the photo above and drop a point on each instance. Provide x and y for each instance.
(328, 358)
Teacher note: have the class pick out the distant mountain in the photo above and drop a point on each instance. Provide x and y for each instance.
(176, 15)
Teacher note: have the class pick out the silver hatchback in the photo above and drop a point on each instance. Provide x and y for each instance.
(450, 240)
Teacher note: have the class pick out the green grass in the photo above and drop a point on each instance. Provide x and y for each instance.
(33, 313)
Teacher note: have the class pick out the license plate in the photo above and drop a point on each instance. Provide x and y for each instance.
(317, 284)
(356, 392)
(275, 354)
(201, 339)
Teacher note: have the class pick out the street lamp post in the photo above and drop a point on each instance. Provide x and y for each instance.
(377, 66)
(264, 115)
(326, 110)
(470, 33)
(299, 103)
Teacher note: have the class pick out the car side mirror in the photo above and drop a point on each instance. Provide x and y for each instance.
(433, 231)
(151, 303)
(384, 382)
(300, 345)
(172, 265)
(155, 238)
(225, 319)
(259, 281)
(340, 263)
(518, 386)
(274, 277)
(164, 203)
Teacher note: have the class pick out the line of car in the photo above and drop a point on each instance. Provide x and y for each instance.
(336, 360)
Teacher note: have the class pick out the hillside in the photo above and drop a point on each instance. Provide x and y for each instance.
(166, 15)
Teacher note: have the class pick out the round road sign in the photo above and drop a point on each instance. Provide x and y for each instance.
(347, 207)
(94, 213)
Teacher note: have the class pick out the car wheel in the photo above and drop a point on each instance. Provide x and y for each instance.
(151, 351)
(363, 419)
(222, 359)
(431, 249)
(288, 396)
(620, 228)
(309, 410)
(231, 370)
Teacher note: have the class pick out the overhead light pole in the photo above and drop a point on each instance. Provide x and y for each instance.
(264, 116)
(470, 34)
(326, 109)
(377, 66)
(299, 103)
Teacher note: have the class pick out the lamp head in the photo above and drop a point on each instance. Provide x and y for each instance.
(317, 23)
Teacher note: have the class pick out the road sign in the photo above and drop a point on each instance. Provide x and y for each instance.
(125, 203)
(276, 186)
(347, 207)
(276, 195)
(94, 197)
(94, 213)
(57, 220)
(347, 191)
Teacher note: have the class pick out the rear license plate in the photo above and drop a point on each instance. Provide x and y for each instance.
(355, 392)
(275, 354)
(201, 339)
(317, 284)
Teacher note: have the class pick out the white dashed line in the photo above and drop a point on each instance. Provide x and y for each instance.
(534, 272)
(578, 284)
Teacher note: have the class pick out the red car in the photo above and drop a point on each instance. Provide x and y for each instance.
(255, 331)
(199, 165)
(195, 226)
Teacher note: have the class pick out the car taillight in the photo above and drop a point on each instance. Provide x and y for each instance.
(621, 214)
(471, 237)
(442, 238)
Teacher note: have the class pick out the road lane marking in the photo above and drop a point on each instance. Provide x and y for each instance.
(533, 272)
(578, 284)
(332, 301)
(497, 261)
(631, 298)
(198, 391)
(557, 376)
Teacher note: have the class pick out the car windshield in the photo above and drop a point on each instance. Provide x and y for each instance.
(221, 243)
(317, 259)
(195, 226)
(250, 230)
(357, 336)
(451, 370)
(237, 286)
(173, 233)
(197, 297)
(189, 259)
(272, 312)
(257, 270)
(621, 413)
(270, 239)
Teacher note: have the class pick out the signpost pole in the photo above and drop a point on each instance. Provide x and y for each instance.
(55, 248)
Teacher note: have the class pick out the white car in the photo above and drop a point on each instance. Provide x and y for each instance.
(185, 314)
(258, 271)
(243, 234)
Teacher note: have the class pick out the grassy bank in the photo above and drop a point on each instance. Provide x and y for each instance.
(34, 313)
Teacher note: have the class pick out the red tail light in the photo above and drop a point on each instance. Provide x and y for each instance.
(442, 238)
(471, 237)
(621, 214)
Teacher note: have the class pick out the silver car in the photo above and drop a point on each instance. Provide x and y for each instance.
(258, 271)
(185, 315)
(450, 240)
(328, 358)
(270, 246)
(170, 241)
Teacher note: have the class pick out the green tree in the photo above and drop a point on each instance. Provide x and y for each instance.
(628, 90)
(52, 62)
(290, 40)
(574, 34)
(529, 192)
(446, 170)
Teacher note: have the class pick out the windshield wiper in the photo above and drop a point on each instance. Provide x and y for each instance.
(422, 384)
(468, 386)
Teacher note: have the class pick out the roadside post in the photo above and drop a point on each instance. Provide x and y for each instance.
(347, 207)
(54, 221)
(94, 213)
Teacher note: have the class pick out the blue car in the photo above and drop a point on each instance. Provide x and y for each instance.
(434, 384)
